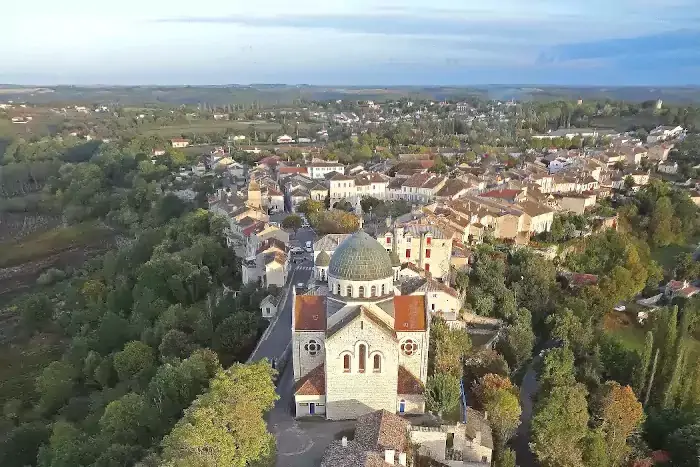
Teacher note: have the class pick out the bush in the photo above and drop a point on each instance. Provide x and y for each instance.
(51, 276)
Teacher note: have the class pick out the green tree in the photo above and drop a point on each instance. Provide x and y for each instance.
(559, 426)
(660, 225)
(236, 335)
(135, 362)
(22, 444)
(36, 312)
(127, 420)
(519, 339)
(684, 445)
(292, 222)
(449, 347)
(225, 426)
(55, 385)
(640, 376)
(557, 369)
(595, 452)
(442, 393)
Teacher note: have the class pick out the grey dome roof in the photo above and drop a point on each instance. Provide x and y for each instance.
(323, 260)
(360, 258)
(395, 261)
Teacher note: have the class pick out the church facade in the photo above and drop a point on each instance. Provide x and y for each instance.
(362, 346)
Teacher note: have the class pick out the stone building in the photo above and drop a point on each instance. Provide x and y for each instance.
(361, 347)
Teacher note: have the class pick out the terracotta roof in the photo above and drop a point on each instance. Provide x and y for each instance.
(407, 383)
(292, 170)
(382, 430)
(313, 383)
(504, 194)
(309, 313)
(409, 313)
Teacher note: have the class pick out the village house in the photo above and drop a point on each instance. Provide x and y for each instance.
(179, 143)
(319, 170)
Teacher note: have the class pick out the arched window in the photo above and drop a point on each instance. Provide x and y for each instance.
(346, 363)
(377, 364)
(373, 291)
(363, 356)
(383, 290)
(361, 291)
(348, 291)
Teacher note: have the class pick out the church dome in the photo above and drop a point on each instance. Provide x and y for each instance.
(395, 261)
(360, 258)
(323, 260)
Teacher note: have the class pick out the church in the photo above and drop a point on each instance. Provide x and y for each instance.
(361, 346)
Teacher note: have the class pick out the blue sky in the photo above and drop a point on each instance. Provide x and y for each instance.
(352, 42)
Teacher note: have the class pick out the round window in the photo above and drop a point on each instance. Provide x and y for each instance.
(312, 347)
(409, 347)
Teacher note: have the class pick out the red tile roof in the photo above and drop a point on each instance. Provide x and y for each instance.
(407, 383)
(310, 313)
(313, 383)
(293, 170)
(409, 313)
(504, 194)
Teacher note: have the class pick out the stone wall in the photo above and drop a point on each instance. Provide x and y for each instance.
(303, 360)
(431, 442)
(415, 403)
(354, 393)
(417, 363)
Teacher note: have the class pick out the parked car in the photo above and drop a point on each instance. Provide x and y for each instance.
(620, 307)
(309, 247)
(297, 250)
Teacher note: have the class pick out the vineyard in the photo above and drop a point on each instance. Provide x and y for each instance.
(14, 226)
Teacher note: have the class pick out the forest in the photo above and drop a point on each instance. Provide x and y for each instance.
(151, 337)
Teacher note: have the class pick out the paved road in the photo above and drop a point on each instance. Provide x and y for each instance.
(521, 442)
(276, 338)
(300, 443)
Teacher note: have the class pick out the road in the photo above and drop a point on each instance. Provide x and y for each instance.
(521, 441)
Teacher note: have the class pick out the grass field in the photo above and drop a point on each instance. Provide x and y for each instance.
(666, 256)
(41, 245)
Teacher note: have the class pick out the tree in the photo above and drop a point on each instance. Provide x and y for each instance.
(640, 376)
(660, 225)
(684, 445)
(22, 443)
(519, 339)
(595, 452)
(628, 183)
(127, 420)
(559, 426)
(442, 393)
(236, 335)
(36, 311)
(55, 385)
(451, 345)
(686, 268)
(557, 369)
(502, 403)
(134, 362)
(566, 327)
(175, 344)
(292, 222)
(225, 426)
(618, 414)
(506, 458)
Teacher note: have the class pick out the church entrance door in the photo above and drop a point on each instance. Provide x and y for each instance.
(402, 406)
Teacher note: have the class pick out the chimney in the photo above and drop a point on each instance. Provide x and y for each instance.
(389, 456)
(344, 441)
(402, 458)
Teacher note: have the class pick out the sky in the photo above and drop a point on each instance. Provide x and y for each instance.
(351, 42)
